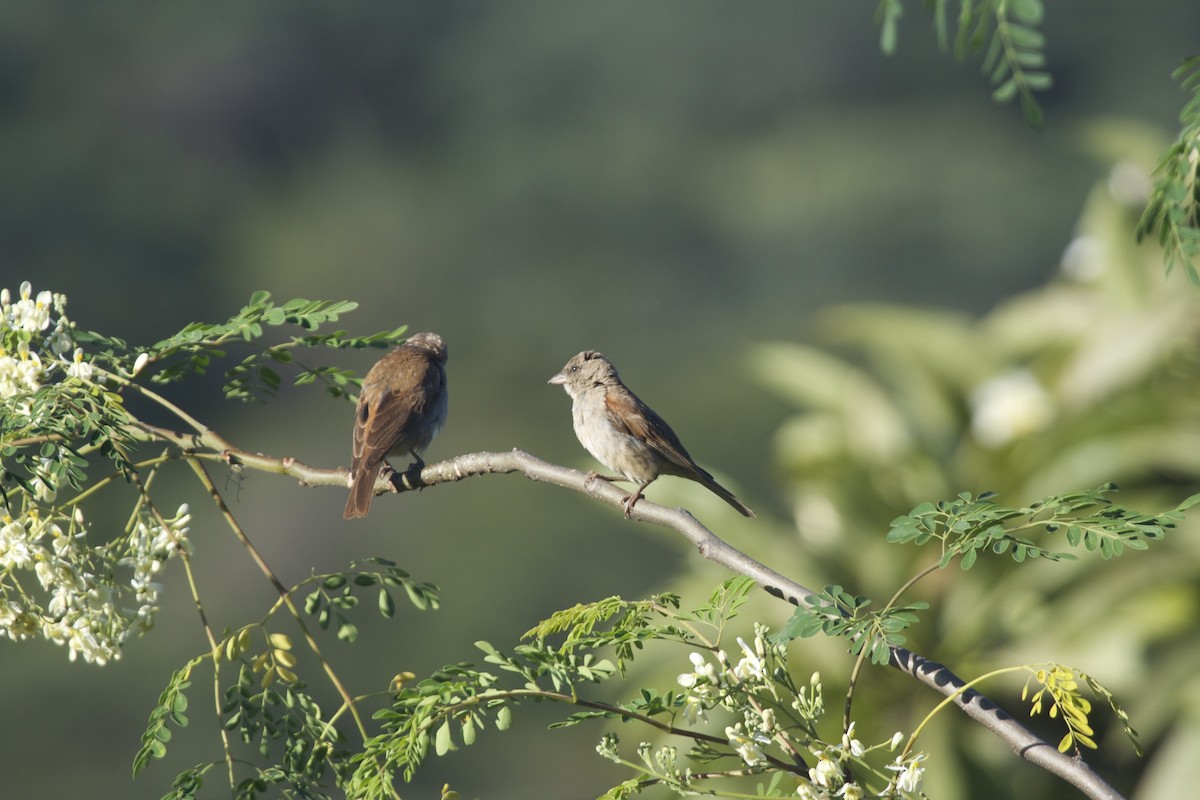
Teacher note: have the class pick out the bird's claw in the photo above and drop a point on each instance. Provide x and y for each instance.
(411, 477)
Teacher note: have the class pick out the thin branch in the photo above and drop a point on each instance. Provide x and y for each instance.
(284, 594)
(930, 673)
(214, 644)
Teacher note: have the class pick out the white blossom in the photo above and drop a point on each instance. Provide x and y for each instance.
(751, 665)
(851, 791)
(20, 374)
(749, 747)
(30, 314)
(826, 773)
(693, 710)
(806, 791)
(17, 551)
(704, 673)
(852, 745)
(908, 782)
(79, 368)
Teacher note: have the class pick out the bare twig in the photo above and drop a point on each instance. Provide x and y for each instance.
(930, 673)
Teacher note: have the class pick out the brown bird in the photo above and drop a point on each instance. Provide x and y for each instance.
(624, 434)
(402, 406)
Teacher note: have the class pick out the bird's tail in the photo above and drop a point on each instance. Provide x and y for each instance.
(728, 497)
(362, 491)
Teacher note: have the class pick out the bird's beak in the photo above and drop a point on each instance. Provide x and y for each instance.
(558, 380)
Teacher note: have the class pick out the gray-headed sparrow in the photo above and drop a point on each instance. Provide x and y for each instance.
(402, 406)
(624, 434)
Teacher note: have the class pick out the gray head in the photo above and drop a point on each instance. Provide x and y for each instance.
(585, 369)
(431, 343)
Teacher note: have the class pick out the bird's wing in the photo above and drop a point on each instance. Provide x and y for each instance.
(630, 415)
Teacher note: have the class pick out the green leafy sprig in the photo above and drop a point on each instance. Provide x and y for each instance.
(967, 526)
(1173, 213)
(1015, 56)
(193, 349)
(834, 612)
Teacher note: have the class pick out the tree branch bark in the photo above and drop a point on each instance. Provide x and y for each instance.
(936, 676)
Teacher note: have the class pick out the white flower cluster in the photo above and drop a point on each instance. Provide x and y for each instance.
(85, 610)
(28, 314)
(150, 546)
(20, 373)
(709, 685)
(827, 777)
(28, 320)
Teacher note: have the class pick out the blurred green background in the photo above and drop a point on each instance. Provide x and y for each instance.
(699, 190)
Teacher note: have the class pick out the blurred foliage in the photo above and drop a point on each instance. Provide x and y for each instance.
(1088, 379)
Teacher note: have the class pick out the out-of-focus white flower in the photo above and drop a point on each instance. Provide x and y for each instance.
(826, 773)
(79, 368)
(16, 549)
(140, 363)
(20, 374)
(908, 782)
(1130, 184)
(1084, 259)
(806, 791)
(897, 738)
(851, 791)
(31, 314)
(751, 665)
(852, 745)
(704, 673)
(703, 686)
(1009, 407)
(747, 746)
(693, 710)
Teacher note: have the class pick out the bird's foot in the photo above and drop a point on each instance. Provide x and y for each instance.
(596, 476)
(629, 501)
(411, 477)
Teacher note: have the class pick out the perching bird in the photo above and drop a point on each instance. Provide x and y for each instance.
(402, 406)
(624, 434)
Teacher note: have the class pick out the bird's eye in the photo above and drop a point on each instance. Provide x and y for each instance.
(575, 368)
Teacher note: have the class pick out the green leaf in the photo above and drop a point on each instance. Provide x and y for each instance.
(387, 606)
(442, 742)
(503, 718)
(1006, 91)
(1188, 503)
(416, 596)
(968, 559)
(346, 631)
(468, 732)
